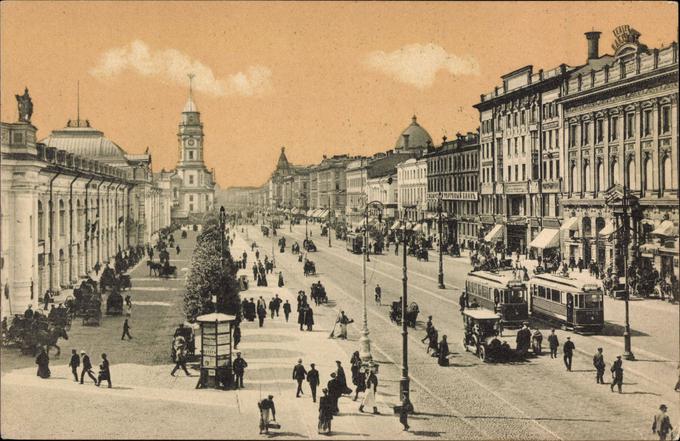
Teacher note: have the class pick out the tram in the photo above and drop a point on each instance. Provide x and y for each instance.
(569, 302)
(355, 243)
(501, 292)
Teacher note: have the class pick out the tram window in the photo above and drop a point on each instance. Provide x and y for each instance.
(511, 296)
(578, 301)
(541, 292)
(591, 301)
(555, 295)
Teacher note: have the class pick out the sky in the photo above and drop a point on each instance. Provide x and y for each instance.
(318, 78)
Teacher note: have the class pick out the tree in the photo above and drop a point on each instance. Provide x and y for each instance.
(206, 277)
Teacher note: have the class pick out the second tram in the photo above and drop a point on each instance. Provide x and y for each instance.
(501, 292)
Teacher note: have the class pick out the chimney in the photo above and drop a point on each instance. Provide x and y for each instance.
(593, 44)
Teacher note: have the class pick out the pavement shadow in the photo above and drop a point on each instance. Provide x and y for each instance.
(349, 433)
(573, 420)
(640, 393)
(427, 433)
(614, 330)
(289, 434)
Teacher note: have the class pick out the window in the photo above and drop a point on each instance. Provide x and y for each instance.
(516, 141)
(572, 135)
(614, 128)
(647, 122)
(191, 154)
(523, 139)
(599, 134)
(41, 221)
(600, 177)
(585, 134)
(508, 147)
(665, 125)
(191, 207)
(191, 179)
(630, 125)
(62, 218)
(191, 198)
(551, 169)
(521, 119)
(524, 172)
(649, 173)
(516, 172)
(667, 179)
(514, 119)
(586, 176)
(509, 173)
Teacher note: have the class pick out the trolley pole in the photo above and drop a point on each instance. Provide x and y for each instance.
(404, 383)
(441, 260)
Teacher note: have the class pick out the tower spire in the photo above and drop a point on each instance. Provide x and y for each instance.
(78, 102)
(191, 76)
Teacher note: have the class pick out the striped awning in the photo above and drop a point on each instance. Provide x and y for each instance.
(570, 224)
(495, 233)
(547, 238)
(666, 229)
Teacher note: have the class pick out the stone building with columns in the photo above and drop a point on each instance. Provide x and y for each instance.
(620, 118)
(69, 201)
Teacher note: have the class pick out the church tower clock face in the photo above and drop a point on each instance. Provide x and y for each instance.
(190, 142)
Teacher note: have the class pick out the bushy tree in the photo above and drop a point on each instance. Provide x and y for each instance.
(206, 277)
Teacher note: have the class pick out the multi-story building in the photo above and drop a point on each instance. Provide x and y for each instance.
(332, 185)
(193, 185)
(69, 202)
(519, 128)
(620, 116)
(412, 188)
(355, 176)
(453, 175)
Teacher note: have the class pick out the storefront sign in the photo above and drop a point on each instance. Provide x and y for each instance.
(516, 188)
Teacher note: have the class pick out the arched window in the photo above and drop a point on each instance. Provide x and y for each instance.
(649, 175)
(62, 218)
(599, 224)
(41, 221)
(587, 227)
(586, 176)
(572, 177)
(62, 268)
(600, 177)
(614, 173)
(630, 176)
(667, 180)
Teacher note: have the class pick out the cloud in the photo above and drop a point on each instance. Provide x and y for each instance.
(173, 66)
(418, 64)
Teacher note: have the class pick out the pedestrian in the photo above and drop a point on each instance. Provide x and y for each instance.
(537, 339)
(104, 372)
(309, 317)
(302, 310)
(277, 304)
(261, 314)
(43, 362)
(286, 309)
(428, 329)
(325, 413)
(463, 301)
(267, 413)
(280, 279)
(74, 364)
(334, 392)
(87, 368)
(378, 294)
(359, 381)
(554, 343)
(580, 265)
(433, 343)
(617, 374)
(177, 249)
(257, 255)
(180, 361)
(443, 352)
(662, 423)
(299, 374)
(126, 330)
(239, 369)
(568, 351)
(128, 306)
(371, 390)
(313, 380)
(272, 308)
(237, 335)
(342, 379)
(598, 362)
(344, 321)
(255, 272)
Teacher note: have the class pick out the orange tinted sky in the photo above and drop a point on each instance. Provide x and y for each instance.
(306, 77)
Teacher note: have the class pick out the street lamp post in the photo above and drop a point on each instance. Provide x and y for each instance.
(441, 261)
(329, 223)
(404, 383)
(271, 222)
(627, 352)
(364, 340)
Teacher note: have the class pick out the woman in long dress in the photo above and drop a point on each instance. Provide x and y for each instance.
(43, 362)
(325, 413)
(371, 389)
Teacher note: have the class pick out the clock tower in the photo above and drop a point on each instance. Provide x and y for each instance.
(194, 187)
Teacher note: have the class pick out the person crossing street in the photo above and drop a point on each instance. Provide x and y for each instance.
(598, 362)
(617, 374)
(299, 374)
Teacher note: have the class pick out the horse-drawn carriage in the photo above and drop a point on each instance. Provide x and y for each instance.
(265, 230)
(114, 304)
(309, 268)
(420, 253)
(318, 293)
(162, 270)
(30, 334)
(295, 248)
(110, 280)
(93, 313)
(411, 316)
(308, 245)
(481, 335)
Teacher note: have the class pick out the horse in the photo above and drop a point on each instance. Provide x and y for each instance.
(50, 338)
(153, 267)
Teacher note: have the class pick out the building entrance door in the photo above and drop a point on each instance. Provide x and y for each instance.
(516, 240)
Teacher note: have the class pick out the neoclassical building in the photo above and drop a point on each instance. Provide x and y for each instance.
(620, 117)
(67, 202)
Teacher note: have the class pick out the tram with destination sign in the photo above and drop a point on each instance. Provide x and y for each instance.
(570, 303)
(499, 291)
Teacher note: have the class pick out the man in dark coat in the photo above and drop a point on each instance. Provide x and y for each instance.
(443, 352)
(87, 368)
(237, 336)
(309, 318)
(299, 374)
(239, 369)
(662, 423)
(598, 362)
(104, 372)
(554, 344)
(302, 310)
(277, 304)
(126, 330)
(617, 374)
(313, 380)
(523, 339)
(43, 362)
(462, 301)
(286, 309)
(272, 307)
(261, 314)
(334, 392)
(74, 364)
(255, 271)
(568, 350)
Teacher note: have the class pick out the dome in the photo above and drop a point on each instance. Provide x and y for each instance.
(413, 137)
(190, 106)
(81, 139)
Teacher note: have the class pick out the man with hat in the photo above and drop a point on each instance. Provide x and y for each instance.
(617, 374)
(313, 380)
(568, 351)
(662, 423)
(74, 364)
(598, 362)
(87, 368)
(299, 374)
(239, 367)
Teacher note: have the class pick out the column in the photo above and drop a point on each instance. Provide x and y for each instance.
(20, 260)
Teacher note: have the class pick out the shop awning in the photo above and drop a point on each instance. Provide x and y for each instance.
(316, 213)
(395, 225)
(418, 227)
(570, 224)
(295, 211)
(547, 238)
(607, 229)
(495, 233)
(666, 229)
(323, 213)
(309, 213)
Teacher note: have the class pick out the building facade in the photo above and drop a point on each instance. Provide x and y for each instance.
(412, 188)
(620, 117)
(69, 202)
